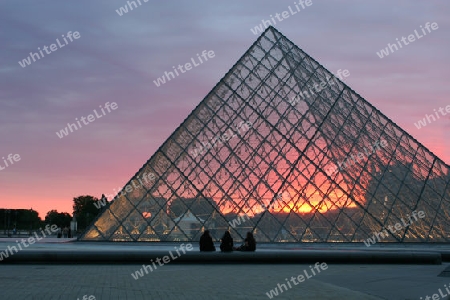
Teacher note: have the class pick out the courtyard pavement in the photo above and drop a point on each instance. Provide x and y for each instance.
(349, 282)
(218, 281)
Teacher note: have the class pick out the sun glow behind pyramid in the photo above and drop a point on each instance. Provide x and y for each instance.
(306, 197)
(276, 172)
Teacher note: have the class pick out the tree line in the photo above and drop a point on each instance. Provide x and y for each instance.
(84, 209)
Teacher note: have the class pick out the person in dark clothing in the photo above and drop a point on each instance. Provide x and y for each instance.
(206, 242)
(226, 244)
(249, 243)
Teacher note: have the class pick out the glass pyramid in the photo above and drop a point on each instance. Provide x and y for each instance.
(284, 149)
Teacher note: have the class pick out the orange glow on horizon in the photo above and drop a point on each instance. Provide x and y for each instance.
(328, 197)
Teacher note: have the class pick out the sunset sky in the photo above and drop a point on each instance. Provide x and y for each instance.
(117, 58)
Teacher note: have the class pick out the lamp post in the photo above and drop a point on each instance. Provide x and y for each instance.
(73, 225)
(4, 229)
(15, 222)
(31, 220)
(9, 218)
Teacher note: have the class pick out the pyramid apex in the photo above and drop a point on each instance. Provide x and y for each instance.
(270, 28)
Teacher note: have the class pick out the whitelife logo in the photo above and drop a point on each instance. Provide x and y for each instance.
(430, 118)
(145, 178)
(166, 259)
(71, 36)
(318, 87)
(124, 9)
(397, 226)
(11, 158)
(440, 296)
(86, 297)
(245, 126)
(411, 38)
(359, 157)
(280, 17)
(187, 66)
(31, 240)
(90, 118)
(300, 278)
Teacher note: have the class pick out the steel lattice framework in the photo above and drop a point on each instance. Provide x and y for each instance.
(283, 148)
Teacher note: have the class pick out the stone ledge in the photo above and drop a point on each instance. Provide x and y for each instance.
(132, 256)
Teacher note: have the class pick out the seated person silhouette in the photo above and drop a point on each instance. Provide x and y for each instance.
(226, 244)
(249, 243)
(206, 242)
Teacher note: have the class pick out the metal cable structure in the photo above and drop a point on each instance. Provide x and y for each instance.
(282, 148)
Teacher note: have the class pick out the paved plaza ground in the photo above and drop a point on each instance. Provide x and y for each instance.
(358, 282)
(214, 281)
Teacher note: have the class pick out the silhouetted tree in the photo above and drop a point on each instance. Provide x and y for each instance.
(85, 210)
(23, 219)
(60, 219)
